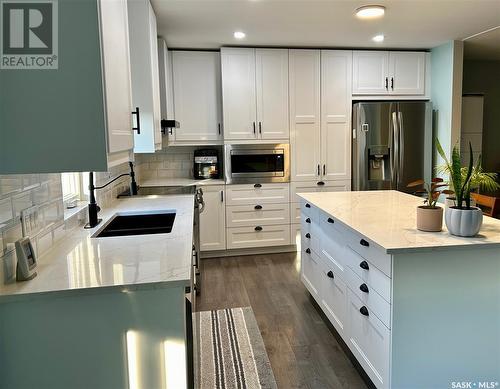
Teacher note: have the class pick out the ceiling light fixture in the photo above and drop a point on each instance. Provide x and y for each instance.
(378, 38)
(239, 34)
(370, 11)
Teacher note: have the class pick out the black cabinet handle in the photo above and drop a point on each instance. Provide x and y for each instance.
(319, 170)
(321, 183)
(138, 117)
(254, 128)
(364, 288)
(308, 220)
(258, 207)
(392, 83)
(324, 169)
(260, 128)
(258, 228)
(364, 265)
(308, 251)
(363, 242)
(330, 220)
(308, 235)
(364, 311)
(257, 186)
(386, 83)
(218, 126)
(308, 205)
(330, 274)
(221, 196)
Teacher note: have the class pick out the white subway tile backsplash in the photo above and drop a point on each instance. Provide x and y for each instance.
(20, 202)
(5, 211)
(30, 181)
(10, 184)
(10, 235)
(8, 267)
(41, 194)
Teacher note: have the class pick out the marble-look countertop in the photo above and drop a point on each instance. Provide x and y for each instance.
(180, 182)
(81, 262)
(388, 218)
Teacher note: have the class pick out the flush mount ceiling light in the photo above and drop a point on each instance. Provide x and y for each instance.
(239, 34)
(378, 38)
(370, 11)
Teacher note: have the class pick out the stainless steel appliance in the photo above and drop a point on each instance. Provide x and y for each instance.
(206, 164)
(392, 143)
(257, 163)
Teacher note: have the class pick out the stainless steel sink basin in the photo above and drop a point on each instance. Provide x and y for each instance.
(138, 224)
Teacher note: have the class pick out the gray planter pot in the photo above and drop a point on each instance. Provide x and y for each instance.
(463, 222)
(429, 219)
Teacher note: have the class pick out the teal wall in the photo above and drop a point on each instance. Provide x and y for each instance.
(446, 63)
(484, 77)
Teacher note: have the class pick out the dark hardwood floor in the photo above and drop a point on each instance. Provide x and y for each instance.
(303, 351)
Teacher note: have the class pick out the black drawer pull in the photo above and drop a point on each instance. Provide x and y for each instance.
(308, 205)
(258, 228)
(321, 183)
(308, 251)
(363, 242)
(308, 220)
(257, 186)
(330, 274)
(330, 220)
(364, 311)
(364, 265)
(258, 207)
(308, 235)
(364, 288)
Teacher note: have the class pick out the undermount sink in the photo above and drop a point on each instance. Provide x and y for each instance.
(138, 224)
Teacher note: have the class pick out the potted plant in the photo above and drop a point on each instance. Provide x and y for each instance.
(429, 215)
(461, 219)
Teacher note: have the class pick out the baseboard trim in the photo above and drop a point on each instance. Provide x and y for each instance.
(342, 344)
(250, 251)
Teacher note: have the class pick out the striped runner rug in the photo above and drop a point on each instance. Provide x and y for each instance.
(232, 352)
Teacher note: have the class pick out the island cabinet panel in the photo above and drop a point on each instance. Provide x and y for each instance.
(310, 272)
(213, 219)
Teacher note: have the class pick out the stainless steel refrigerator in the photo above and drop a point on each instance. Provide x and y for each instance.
(392, 144)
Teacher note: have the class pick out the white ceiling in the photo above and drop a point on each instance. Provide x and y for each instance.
(483, 46)
(326, 23)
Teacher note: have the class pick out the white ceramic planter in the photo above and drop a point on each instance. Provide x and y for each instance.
(450, 202)
(463, 222)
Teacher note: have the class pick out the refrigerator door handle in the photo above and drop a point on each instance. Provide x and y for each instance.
(395, 150)
(401, 145)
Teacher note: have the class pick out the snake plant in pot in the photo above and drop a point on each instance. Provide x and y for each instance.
(461, 219)
(429, 215)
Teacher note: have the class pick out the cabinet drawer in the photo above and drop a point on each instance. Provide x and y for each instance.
(310, 272)
(312, 186)
(295, 212)
(248, 237)
(257, 194)
(369, 341)
(369, 296)
(368, 250)
(295, 235)
(332, 227)
(332, 252)
(310, 234)
(253, 215)
(372, 276)
(309, 209)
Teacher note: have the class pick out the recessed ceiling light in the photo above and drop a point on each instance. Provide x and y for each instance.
(370, 11)
(239, 34)
(378, 38)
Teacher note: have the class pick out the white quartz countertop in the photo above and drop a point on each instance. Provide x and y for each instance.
(180, 182)
(79, 262)
(388, 218)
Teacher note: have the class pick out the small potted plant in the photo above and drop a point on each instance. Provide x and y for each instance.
(461, 219)
(429, 215)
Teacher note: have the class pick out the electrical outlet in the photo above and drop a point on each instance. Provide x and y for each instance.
(31, 221)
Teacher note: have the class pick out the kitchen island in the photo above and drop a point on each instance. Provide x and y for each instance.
(106, 312)
(416, 309)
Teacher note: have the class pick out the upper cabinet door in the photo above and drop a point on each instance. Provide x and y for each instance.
(305, 114)
(238, 93)
(370, 73)
(336, 75)
(407, 73)
(272, 93)
(116, 67)
(145, 75)
(197, 90)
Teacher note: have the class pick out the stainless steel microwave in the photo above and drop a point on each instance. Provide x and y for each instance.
(246, 164)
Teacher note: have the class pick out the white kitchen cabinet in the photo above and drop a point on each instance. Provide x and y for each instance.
(145, 76)
(197, 97)
(320, 145)
(255, 93)
(213, 219)
(165, 73)
(336, 106)
(305, 135)
(272, 93)
(258, 236)
(389, 73)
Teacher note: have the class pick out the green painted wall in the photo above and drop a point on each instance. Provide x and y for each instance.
(484, 77)
(54, 120)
